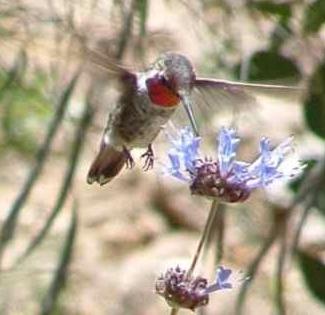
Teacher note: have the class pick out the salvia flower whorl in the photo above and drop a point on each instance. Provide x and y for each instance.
(224, 177)
(181, 290)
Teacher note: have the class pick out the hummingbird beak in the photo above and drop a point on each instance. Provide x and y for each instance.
(186, 100)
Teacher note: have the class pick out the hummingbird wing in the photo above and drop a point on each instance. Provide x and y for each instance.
(111, 68)
(218, 94)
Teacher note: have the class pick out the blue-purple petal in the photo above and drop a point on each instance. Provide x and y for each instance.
(222, 280)
(223, 274)
(227, 147)
(184, 152)
(175, 167)
(271, 165)
(174, 160)
(226, 286)
(267, 168)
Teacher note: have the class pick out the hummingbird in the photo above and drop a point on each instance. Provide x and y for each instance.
(148, 100)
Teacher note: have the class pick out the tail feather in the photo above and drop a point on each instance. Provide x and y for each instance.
(107, 164)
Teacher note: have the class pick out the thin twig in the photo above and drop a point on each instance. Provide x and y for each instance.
(252, 269)
(311, 188)
(9, 226)
(67, 182)
(300, 224)
(125, 34)
(61, 274)
(279, 292)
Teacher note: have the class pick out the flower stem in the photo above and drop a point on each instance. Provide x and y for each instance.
(218, 235)
(174, 311)
(204, 235)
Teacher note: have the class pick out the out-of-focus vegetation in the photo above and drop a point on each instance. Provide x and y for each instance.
(40, 56)
(25, 109)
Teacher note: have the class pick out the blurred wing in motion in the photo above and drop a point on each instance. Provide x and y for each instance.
(109, 66)
(222, 94)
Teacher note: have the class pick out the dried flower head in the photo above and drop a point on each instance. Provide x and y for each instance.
(181, 290)
(224, 177)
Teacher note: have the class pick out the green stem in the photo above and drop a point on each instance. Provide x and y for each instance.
(174, 311)
(10, 223)
(126, 31)
(279, 299)
(66, 185)
(220, 233)
(205, 233)
(252, 269)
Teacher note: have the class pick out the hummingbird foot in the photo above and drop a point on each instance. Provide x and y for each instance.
(149, 158)
(129, 161)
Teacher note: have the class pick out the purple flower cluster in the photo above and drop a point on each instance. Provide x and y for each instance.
(181, 290)
(228, 179)
(225, 177)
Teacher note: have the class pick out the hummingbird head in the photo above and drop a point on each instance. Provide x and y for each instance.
(177, 70)
(178, 74)
(172, 83)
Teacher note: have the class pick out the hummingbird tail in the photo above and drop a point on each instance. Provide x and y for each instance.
(107, 164)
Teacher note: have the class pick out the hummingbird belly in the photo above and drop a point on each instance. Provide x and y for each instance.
(139, 122)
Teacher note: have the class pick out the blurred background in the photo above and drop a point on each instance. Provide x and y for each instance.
(70, 248)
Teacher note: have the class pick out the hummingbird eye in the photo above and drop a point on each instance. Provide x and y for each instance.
(169, 83)
(166, 82)
(163, 80)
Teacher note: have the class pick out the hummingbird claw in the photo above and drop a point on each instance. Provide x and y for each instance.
(129, 159)
(149, 161)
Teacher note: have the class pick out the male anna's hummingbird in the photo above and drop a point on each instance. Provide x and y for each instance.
(148, 100)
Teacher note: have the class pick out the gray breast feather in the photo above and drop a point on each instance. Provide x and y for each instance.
(138, 121)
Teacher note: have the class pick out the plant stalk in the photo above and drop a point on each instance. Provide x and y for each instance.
(205, 233)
